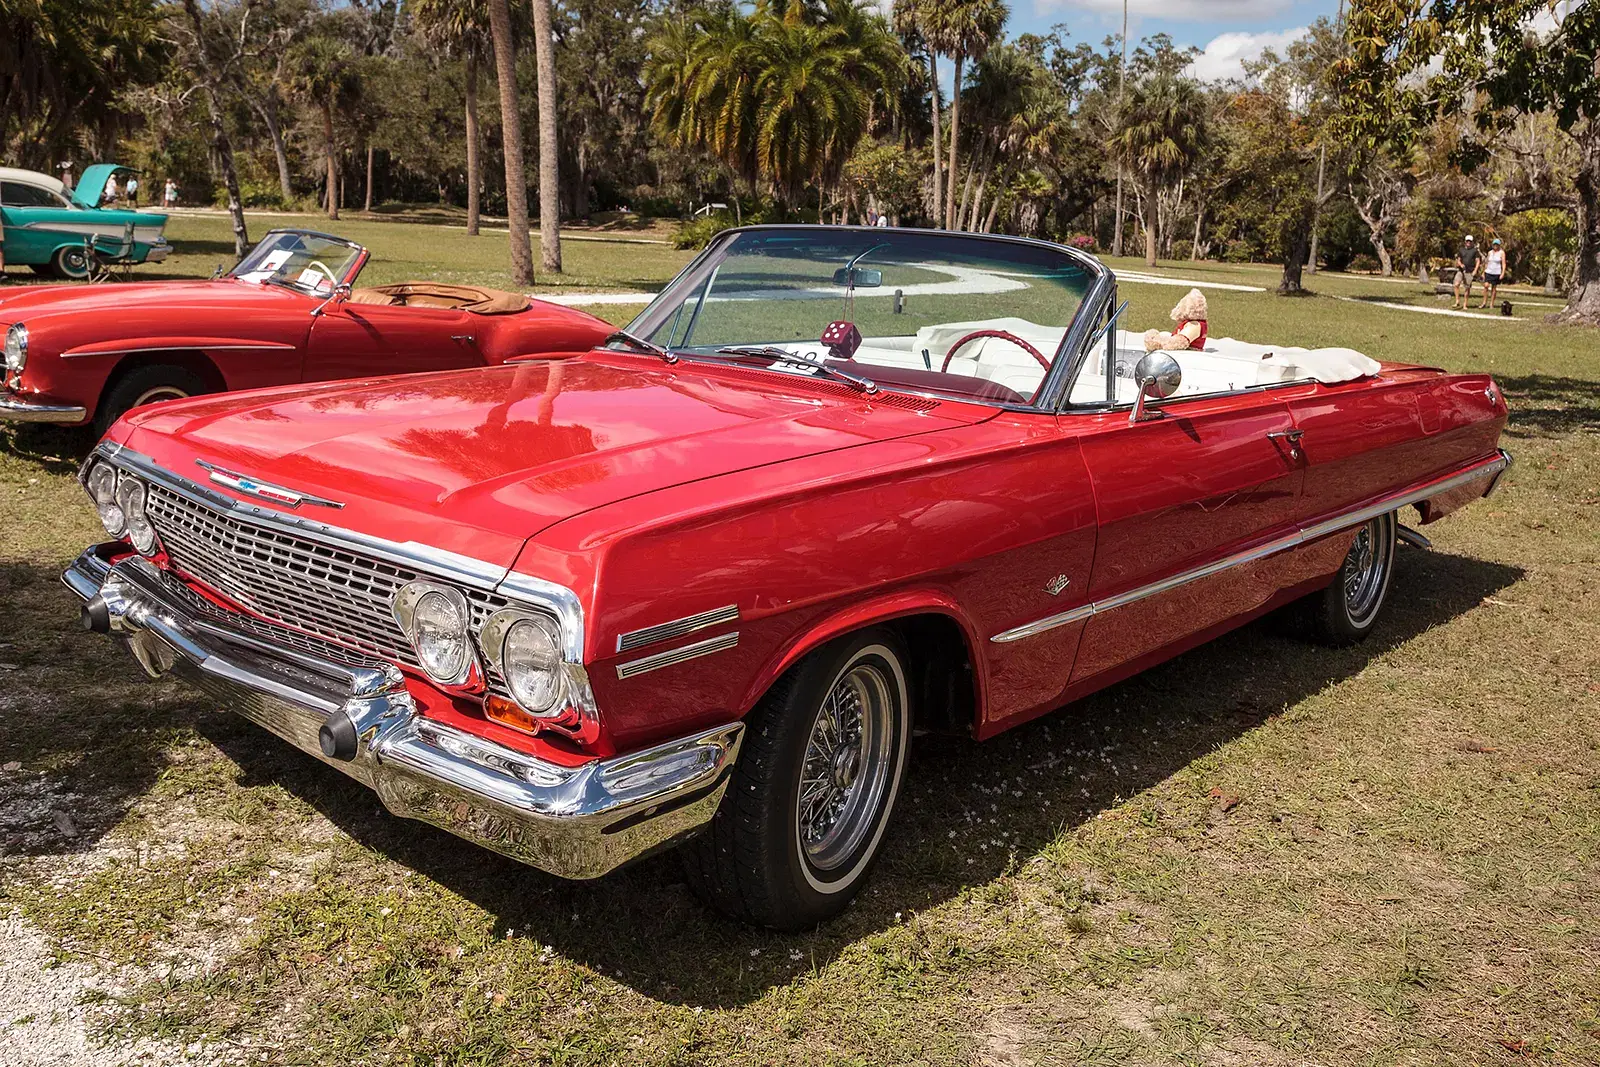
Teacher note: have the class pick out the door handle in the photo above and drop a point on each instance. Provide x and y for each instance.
(460, 338)
(1291, 436)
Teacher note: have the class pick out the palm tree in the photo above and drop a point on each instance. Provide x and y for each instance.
(1161, 135)
(963, 30)
(549, 145)
(505, 63)
(461, 27)
(324, 70)
(909, 20)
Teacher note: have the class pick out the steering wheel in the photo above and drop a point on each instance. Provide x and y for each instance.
(323, 267)
(1004, 335)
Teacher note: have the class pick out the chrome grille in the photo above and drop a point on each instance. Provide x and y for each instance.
(324, 596)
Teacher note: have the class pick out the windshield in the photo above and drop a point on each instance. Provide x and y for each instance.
(310, 262)
(949, 314)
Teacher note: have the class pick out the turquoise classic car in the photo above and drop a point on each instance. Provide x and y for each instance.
(46, 226)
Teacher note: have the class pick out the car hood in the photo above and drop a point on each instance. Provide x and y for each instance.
(478, 461)
(34, 302)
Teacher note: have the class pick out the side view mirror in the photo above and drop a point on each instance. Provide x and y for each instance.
(858, 277)
(340, 294)
(1158, 376)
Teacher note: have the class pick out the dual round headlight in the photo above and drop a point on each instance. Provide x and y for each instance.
(16, 348)
(523, 647)
(120, 500)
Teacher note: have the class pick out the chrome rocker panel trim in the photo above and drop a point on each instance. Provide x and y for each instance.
(575, 822)
(16, 409)
(1489, 468)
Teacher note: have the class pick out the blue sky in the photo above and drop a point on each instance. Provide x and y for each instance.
(1229, 30)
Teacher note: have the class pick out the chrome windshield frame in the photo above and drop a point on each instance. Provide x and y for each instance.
(1068, 355)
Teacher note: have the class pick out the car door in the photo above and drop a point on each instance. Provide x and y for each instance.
(1211, 479)
(353, 340)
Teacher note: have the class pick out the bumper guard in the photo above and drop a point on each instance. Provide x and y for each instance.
(576, 822)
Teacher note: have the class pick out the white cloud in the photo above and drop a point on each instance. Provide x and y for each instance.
(1185, 10)
(1224, 57)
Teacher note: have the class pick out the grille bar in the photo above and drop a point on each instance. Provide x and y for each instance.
(325, 596)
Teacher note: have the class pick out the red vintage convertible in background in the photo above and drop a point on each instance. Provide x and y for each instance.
(832, 485)
(287, 313)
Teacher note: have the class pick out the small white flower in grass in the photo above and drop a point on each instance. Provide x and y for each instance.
(385, 911)
(795, 955)
(755, 952)
(698, 1010)
(897, 916)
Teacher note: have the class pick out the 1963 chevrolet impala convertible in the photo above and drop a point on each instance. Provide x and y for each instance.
(287, 313)
(833, 486)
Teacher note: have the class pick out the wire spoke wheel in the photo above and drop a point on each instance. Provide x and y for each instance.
(848, 766)
(1365, 573)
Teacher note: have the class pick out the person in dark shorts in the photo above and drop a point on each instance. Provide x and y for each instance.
(1467, 259)
(1495, 268)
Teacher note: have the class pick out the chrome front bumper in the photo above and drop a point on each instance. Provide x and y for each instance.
(576, 822)
(17, 409)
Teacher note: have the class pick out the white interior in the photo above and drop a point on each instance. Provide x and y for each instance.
(1224, 365)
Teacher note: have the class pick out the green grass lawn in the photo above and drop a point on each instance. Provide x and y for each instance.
(1261, 853)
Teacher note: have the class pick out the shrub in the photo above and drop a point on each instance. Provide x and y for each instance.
(697, 233)
(1082, 241)
(1182, 249)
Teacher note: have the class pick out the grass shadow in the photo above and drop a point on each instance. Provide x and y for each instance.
(969, 812)
(1544, 405)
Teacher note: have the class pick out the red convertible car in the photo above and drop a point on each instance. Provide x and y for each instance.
(704, 582)
(287, 313)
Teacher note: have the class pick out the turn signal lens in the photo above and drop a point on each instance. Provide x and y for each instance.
(130, 501)
(506, 713)
(103, 491)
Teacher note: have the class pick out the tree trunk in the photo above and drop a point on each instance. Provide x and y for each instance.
(994, 209)
(549, 145)
(267, 108)
(1583, 301)
(1550, 278)
(1316, 213)
(333, 166)
(955, 140)
(1385, 260)
(1199, 216)
(938, 141)
(219, 134)
(1116, 232)
(505, 64)
(962, 220)
(1148, 208)
(474, 163)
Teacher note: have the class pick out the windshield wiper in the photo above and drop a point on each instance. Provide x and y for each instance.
(783, 355)
(639, 344)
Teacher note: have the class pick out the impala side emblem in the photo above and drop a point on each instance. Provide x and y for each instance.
(1055, 585)
(240, 483)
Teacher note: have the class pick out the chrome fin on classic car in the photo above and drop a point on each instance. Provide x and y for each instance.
(674, 656)
(663, 631)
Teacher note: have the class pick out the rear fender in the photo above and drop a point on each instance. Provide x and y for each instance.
(858, 616)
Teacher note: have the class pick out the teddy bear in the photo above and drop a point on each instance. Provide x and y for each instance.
(1190, 315)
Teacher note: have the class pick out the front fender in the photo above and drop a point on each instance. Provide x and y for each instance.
(847, 619)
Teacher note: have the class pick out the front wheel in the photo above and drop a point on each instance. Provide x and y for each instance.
(145, 385)
(821, 765)
(1347, 610)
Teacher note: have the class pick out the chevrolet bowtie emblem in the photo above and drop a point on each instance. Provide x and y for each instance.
(240, 483)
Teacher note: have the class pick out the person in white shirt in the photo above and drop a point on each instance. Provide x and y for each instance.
(133, 191)
(112, 193)
(1495, 267)
(169, 195)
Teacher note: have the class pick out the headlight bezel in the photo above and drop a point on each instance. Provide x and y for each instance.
(498, 629)
(106, 504)
(16, 350)
(132, 501)
(408, 600)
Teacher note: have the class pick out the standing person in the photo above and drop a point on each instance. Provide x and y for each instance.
(169, 194)
(1466, 269)
(1495, 268)
(883, 220)
(112, 194)
(872, 216)
(133, 191)
(66, 176)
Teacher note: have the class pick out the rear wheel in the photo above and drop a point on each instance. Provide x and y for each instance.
(1347, 610)
(821, 765)
(145, 385)
(70, 262)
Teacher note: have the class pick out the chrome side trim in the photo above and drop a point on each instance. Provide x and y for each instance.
(1355, 517)
(649, 635)
(677, 655)
(268, 346)
(436, 562)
